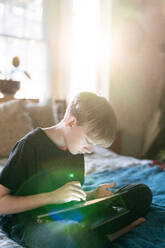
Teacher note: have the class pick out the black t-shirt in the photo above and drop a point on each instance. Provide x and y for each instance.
(37, 165)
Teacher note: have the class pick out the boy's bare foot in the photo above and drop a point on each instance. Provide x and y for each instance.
(126, 229)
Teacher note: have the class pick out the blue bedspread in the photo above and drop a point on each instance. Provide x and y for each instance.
(150, 234)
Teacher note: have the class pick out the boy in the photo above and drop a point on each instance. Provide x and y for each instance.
(41, 171)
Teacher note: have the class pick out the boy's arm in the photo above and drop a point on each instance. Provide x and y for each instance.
(71, 191)
(15, 204)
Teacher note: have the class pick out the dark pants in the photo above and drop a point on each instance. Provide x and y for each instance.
(137, 198)
(70, 234)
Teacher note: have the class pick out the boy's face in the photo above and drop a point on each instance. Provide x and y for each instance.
(75, 137)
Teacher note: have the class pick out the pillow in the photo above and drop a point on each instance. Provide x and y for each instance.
(60, 107)
(42, 115)
(14, 124)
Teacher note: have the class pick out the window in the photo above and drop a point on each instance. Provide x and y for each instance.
(21, 35)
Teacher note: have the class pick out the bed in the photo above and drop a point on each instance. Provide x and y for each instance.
(104, 166)
(150, 234)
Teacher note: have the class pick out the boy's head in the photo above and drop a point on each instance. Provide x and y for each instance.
(95, 114)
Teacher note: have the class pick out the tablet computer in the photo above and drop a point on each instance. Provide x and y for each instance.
(92, 213)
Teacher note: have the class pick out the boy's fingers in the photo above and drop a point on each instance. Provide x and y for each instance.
(78, 195)
(109, 185)
(76, 183)
(112, 184)
(80, 191)
(76, 186)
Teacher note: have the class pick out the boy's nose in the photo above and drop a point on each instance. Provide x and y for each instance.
(88, 149)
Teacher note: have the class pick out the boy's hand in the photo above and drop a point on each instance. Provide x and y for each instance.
(71, 191)
(103, 190)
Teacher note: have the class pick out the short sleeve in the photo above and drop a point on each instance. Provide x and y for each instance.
(19, 166)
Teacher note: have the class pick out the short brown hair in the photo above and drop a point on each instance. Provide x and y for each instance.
(96, 113)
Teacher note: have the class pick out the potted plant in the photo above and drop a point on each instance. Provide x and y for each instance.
(8, 85)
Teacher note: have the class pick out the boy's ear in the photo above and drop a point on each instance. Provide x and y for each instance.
(71, 121)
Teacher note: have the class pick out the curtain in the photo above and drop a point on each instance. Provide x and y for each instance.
(77, 33)
(57, 22)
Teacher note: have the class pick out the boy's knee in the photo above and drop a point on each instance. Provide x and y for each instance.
(137, 197)
(145, 195)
